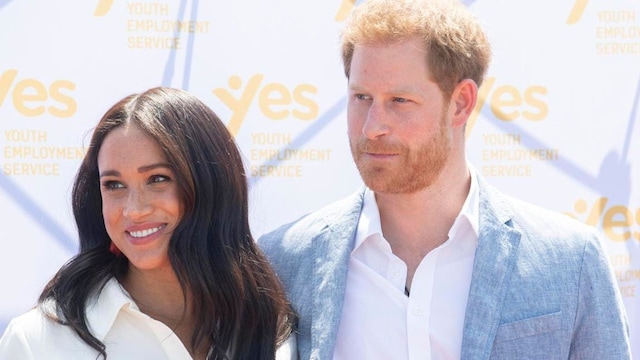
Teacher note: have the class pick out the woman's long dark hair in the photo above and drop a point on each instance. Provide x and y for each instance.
(240, 305)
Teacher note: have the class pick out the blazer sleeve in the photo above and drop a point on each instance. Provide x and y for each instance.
(601, 329)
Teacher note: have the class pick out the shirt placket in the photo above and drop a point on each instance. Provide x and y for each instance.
(419, 308)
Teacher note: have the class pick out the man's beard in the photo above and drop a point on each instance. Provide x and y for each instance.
(411, 171)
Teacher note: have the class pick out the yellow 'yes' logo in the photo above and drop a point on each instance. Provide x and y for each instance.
(617, 221)
(577, 11)
(345, 8)
(103, 7)
(509, 103)
(276, 101)
(31, 97)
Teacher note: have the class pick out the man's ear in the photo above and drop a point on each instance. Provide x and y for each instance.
(463, 101)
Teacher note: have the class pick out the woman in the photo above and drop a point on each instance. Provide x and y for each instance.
(167, 267)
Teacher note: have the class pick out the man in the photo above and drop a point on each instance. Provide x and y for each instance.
(429, 261)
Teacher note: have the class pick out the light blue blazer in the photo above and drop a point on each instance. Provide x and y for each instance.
(541, 286)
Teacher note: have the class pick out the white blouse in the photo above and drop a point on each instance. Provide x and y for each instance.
(114, 319)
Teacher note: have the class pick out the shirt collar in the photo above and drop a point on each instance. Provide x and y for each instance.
(469, 211)
(103, 310)
(369, 223)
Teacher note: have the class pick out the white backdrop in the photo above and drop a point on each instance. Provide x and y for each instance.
(557, 122)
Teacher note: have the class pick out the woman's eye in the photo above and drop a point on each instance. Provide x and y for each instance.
(112, 185)
(159, 179)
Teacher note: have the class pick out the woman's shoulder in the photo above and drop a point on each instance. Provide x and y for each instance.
(35, 321)
(32, 319)
(32, 333)
(36, 332)
(289, 349)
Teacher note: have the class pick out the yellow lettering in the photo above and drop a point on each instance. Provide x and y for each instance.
(483, 94)
(345, 8)
(312, 106)
(103, 7)
(22, 169)
(68, 101)
(505, 96)
(6, 80)
(529, 98)
(506, 170)
(273, 95)
(239, 107)
(617, 216)
(276, 171)
(21, 95)
(577, 11)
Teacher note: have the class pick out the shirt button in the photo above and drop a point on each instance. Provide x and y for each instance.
(394, 273)
(417, 311)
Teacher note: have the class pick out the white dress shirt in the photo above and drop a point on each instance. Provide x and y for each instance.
(379, 321)
(114, 319)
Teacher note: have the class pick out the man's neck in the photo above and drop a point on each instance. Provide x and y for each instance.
(416, 223)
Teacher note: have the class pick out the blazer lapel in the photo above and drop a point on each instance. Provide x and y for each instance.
(494, 260)
(332, 250)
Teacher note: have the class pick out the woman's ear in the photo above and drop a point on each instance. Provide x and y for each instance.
(463, 101)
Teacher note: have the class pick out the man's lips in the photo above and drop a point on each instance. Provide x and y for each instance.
(379, 155)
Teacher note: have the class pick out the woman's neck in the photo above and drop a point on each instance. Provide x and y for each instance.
(158, 294)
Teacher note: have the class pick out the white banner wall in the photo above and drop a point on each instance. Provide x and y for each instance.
(556, 124)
